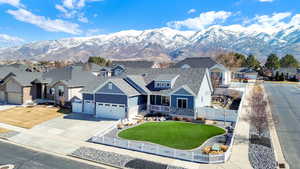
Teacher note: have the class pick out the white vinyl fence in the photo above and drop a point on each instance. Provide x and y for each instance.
(170, 152)
(217, 114)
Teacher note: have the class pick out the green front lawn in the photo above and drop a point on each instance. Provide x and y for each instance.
(174, 134)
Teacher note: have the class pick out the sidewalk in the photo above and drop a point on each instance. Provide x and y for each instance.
(63, 146)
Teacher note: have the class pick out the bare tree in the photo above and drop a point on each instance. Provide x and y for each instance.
(215, 80)
(258, 114)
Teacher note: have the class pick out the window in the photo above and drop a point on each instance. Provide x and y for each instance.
(51, 91)
(168, 84)
(114, 105)
(110, 86)
(61, 90)
(165, 101)
(163, 85)
(182, 103)
(152, 99)
(106, 104)
(157, 84)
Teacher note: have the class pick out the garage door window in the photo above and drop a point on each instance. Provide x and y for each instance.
(114, 105)
(106, 104)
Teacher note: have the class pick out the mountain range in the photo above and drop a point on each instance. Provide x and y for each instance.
(162, 44)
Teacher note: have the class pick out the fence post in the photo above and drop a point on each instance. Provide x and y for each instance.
(127, 143)
(102, 139)
(156, 149)
(193, 158)
(174, 153)
(142, 146)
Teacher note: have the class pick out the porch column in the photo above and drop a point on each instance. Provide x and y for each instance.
(148, 103)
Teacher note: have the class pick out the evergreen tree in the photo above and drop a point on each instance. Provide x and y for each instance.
(252, 62)
(272, 62)
(289, 61)
(98, 60)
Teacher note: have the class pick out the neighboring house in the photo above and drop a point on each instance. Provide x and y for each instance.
(244, 73)
(289, 73)
(90, 67)
(62, 85)
(18, 88)
(218, 72)
(177, 92)
(136, 64)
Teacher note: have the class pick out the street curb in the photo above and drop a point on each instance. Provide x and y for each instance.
(57, 154)
(279, 156)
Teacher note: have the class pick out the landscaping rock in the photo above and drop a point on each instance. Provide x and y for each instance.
(260, 155)
(118, 160)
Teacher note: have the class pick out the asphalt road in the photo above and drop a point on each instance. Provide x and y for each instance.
(285, 104)
(24, 158)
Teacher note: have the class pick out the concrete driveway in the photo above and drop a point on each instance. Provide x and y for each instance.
(5, 107)
(79, 127)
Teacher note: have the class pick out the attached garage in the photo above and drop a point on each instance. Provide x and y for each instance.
(14, 98)
(77, 106)
(88, 107)
(110, 111)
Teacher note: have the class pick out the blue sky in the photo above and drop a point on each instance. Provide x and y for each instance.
(24, 21)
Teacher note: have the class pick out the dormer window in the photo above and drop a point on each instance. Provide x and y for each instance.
(168, 84)
(163, 85)
(110, 86)
(157, 84)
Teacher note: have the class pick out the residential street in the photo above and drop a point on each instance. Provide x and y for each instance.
(27, 159)
(285, 103)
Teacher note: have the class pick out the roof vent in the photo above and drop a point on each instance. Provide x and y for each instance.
(145, 74)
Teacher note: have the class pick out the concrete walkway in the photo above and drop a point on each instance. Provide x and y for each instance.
(65, 145)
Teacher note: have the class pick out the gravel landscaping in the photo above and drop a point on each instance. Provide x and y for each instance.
(261, 156)
(8, 134)
(118, 160)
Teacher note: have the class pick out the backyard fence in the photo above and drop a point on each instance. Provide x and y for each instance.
(194, 156)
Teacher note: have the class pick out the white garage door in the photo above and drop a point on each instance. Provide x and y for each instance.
(77, 106)
(88, 107)
(14, 98)
(2, 96)
(110, 111)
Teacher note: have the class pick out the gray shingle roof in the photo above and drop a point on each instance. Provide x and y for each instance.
(25, 78)
(196, 62)
(134, 64)
(70, 76)
(192, 78)
(165, 77)
(118, 81)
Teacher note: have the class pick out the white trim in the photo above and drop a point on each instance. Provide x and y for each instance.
(181, 98)
(186, 88)
(111, 93)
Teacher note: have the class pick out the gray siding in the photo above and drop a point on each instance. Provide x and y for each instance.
(113, 90)
(182, 92)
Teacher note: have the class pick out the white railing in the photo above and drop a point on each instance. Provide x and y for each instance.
(159, 150)
(159, 108)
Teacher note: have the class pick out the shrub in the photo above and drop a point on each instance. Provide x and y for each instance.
(180, 118)
(224, 148)
(200, 118)
(120, 126)
(206, 149)
(189, 120)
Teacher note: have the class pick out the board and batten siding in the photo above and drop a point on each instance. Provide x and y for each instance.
(182, 93)
(111, 98)
(204, 95)
(13, 86)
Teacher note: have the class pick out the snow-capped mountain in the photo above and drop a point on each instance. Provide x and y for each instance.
(161, 44)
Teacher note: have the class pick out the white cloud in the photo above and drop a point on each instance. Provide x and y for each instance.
(201, 22)
(15, 3)
(45, 23)
(72, 9)
(265, 0)
(7, 40)
(191, 11)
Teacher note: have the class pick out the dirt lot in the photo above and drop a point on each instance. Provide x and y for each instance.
(28, 117)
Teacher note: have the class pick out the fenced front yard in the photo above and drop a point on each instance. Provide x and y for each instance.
(195, 155)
